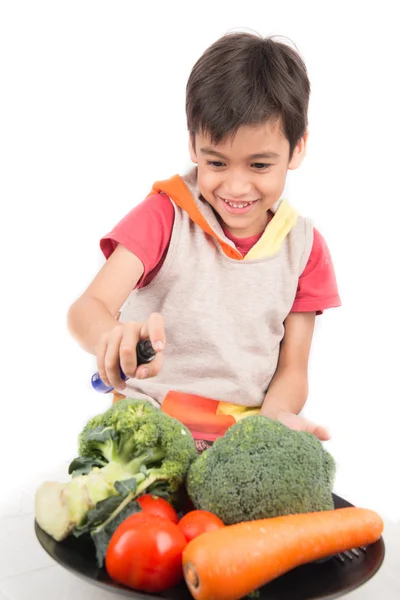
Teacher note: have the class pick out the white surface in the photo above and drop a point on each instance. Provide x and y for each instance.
(27, 573)
(92, 112)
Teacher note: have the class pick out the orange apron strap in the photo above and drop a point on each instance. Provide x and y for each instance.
(177, 190)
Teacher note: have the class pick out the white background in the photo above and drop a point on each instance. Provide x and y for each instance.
(92, 99)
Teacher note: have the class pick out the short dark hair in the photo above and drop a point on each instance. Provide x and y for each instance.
(245, 79)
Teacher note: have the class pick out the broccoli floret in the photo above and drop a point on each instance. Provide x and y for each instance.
(259, 469)
(130, 449)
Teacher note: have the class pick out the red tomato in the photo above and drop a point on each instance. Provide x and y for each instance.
(197, 522)
(145, 553)
(158, 506)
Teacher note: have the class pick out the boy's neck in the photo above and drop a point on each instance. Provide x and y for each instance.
(236, 235)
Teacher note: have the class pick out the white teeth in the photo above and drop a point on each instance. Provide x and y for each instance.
(242, 205)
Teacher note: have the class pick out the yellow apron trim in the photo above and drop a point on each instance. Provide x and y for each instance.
(235, 411)
(277, 229)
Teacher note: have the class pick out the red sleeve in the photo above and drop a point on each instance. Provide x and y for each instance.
(317, 288)
(145, 231)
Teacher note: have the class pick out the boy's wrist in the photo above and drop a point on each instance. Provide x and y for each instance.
(273, 410)
(287, 393)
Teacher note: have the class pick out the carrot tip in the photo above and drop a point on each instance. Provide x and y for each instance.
(191, 576)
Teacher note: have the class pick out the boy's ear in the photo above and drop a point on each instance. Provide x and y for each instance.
(299, 152)
(192, 149)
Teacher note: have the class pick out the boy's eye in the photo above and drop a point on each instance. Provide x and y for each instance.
(215, 163)
(260, 166)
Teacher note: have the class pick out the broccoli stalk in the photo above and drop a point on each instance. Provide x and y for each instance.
(62, 507)
(124, 452)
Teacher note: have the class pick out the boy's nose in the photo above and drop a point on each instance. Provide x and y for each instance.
(237, 188)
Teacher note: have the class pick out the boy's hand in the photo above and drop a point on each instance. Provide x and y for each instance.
(301, 424)
(118, 347)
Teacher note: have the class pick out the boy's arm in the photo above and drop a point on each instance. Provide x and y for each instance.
(93, 314)
(288, 390)
(91, 320)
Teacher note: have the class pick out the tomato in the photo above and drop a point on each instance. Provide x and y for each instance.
(158, 506)
(145, 553)
(197, 522)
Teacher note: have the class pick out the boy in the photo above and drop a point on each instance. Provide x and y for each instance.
(221, 274)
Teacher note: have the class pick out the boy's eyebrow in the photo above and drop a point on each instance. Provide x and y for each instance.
(270, 154)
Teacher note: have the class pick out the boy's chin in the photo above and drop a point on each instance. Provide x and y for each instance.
(242, 227)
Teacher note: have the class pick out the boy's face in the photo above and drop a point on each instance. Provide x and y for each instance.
(243, 177)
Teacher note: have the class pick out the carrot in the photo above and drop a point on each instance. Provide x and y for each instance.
(231, 562)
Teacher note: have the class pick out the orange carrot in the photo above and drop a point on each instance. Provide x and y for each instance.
(231, 562)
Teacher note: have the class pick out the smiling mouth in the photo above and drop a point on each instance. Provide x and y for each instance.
(238, 204)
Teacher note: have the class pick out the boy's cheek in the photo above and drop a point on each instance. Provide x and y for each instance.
(272, 189)
(208, 185)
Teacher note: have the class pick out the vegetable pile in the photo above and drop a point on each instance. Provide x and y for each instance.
(261, 503)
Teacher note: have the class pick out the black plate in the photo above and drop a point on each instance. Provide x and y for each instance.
(328, 580)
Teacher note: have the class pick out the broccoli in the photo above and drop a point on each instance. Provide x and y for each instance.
(130, 449)
(259, 469)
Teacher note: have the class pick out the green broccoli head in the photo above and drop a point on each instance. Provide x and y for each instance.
(260, 468)
(135, 434)
(110, 434)
(130, 449)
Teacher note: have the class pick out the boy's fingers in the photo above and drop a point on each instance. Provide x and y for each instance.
(150, 369)
(111, 359)
(100, 355)
(154, 330)
(322, 433)
(318, 430)
(127, 350)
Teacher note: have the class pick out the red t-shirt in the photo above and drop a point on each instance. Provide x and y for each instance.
(146, 231)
